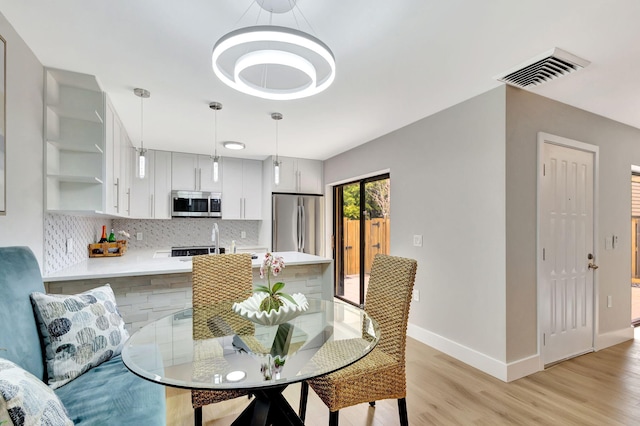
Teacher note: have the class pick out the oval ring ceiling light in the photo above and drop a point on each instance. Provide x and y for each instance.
(261, 46)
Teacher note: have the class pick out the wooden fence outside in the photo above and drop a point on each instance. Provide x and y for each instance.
(376, 237)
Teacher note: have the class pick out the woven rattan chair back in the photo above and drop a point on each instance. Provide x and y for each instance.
(218, 282)
(388, 300)
(381, 374)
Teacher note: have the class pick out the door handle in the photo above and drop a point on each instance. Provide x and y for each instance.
(592, 265)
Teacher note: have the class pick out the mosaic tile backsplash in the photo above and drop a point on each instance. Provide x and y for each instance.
(59, 228)
(156, 234)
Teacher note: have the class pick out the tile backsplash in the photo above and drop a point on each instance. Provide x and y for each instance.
(156, 234)
(187, 232)
(81, 230)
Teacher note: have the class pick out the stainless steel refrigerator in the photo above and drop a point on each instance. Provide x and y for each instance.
(297, 223)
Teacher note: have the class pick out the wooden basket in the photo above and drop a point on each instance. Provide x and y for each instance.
(108, 249)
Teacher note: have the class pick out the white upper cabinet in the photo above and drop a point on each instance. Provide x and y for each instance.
(309, 176)
(88, 152)
(151, 196)
(162, 185)
(126, 173)
(74, 139)
(192, 172)
(241, 189)
(118, 153)
(300, 175)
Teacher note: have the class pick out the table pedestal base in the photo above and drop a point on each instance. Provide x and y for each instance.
(268, 407)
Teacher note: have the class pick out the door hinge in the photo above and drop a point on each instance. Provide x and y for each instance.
(544, 170)
(544, 339)
(544, 254)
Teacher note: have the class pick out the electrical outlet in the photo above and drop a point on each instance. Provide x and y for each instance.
(416, 295)
(243, 234)
(417, 240)
(139, 236)
(69, 245)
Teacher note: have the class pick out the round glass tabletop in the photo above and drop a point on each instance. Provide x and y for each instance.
(212, 347)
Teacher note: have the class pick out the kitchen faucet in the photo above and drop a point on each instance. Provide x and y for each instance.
(215, 238)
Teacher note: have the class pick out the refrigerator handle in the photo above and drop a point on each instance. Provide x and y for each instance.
(303, 228)
(299, 228)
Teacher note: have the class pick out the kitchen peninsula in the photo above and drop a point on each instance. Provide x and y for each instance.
(149, 285)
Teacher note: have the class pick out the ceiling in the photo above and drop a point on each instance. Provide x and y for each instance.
(397, 61)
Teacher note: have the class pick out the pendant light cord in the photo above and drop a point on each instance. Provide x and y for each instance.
(277, 159)
(141, 123)
(215, 133)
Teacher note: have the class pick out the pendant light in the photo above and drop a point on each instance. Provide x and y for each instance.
(215, 106)
(142, 161)
(261, 60)
(276, 163)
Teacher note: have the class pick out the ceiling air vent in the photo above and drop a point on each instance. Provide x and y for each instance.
(546, 67)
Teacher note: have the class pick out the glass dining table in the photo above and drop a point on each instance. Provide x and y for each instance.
(213, 348)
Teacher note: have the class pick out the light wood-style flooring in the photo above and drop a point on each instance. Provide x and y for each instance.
(601, 388)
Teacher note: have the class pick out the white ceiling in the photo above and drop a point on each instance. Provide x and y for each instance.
(397, 61)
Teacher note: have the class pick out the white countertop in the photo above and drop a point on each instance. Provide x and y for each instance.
(155, 262)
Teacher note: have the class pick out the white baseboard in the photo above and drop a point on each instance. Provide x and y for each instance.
(498, 369)
(613, 338)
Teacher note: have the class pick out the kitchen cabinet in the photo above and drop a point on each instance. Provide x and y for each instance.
(193, 172)
(74, 142)
(118, 152)
(241, 189)
(127, 172)
(300, 175)
(151, 196)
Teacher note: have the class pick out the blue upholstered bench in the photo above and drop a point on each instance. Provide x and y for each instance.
(107, 394)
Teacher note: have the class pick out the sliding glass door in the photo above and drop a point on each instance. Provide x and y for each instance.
(361, 230)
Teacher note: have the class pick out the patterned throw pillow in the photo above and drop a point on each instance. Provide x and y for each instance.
(25, 400)
(79, 331)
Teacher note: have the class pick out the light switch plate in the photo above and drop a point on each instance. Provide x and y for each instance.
(417, 240)
(416, 295)
(243, 234)
(69, 245)
(139, 236)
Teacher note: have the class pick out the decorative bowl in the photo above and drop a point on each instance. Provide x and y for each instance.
(250, 309)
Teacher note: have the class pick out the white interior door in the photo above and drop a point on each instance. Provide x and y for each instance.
(566, 237)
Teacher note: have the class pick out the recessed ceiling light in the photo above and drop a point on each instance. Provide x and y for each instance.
(233, 145)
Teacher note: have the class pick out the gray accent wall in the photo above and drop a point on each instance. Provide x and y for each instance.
(23, 223)
(448, 185)
(619, 144)
(465, 179)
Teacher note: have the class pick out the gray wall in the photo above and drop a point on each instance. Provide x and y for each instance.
(448, 184)
(465, 179)
(23, 223)
(528, 114)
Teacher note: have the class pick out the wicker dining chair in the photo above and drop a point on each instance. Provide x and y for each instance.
(218, 281)
(380, 374)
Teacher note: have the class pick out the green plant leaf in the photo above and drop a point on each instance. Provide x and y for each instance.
(262, 289)
(277, 286)
(288, 297)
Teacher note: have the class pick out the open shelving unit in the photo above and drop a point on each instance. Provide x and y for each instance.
(74, 134)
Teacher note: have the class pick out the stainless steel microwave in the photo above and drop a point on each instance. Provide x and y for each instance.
(196, 204)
